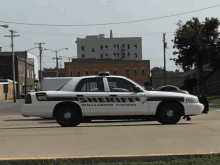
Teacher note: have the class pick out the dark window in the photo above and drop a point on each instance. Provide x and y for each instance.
(163, 89)
(71, 73)
(101, 55)
(120, 85)
(82, 55)
(135, 54)
(118, 55)
(128, 46)
(106, 46)
(173, 89)
(123, 45)
(135, 73)
(115, 72)
(96, 72)
(87, 73)
(101, 47)
(93, 49)
(114, 46)
(78, 73)
(115, 55)
(82, 47)
(128, 54)
(91, 85)
(127, 72)
(143, 72)
(117, 46)
(123, 55)
(135, 46)
(106, 55)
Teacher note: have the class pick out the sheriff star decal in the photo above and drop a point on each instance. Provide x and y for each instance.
(143, 98)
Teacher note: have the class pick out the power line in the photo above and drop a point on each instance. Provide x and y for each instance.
(116, 22)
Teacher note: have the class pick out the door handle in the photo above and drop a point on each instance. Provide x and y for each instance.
(113, 95)
(79, 95)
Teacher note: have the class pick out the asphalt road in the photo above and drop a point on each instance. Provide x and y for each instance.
(34, 137)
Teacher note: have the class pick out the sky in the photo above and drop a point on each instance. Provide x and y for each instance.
(84, 12)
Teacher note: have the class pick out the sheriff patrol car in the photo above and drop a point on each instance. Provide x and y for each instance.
(105, 96)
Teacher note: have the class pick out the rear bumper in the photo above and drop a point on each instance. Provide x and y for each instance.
(37, 110)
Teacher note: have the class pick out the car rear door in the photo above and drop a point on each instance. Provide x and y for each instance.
(91, 94)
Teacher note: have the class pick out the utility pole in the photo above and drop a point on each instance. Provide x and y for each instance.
(57, 58)
(164, 47)
(40, 63)
(25, 89)
(13, 60)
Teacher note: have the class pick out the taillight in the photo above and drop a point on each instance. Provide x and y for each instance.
(28, 99)
(41, 96)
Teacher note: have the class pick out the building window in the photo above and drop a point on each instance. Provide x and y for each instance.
(32, 74)
(27, 72)
(135, 46)
(143, 72)
(115, 72)
(114, 46)
(127, 72)
(128, 54)
(123, 55)
(82, 55)
(101, 55)
(101, 47)
(117, 46)
(82, 47)
(106, 55)
(128, 46)
(93, 49)
(106, 47)
(71, 73)
(135, 73)
(135, 55)
(78, 73)
(118, 55)
(123, 45)
(96, 72)
(87, 73)
(115, 55)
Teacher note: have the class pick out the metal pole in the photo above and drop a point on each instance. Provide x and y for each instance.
(25, 90)
(57, 63)
(164, 58)
(13, 63)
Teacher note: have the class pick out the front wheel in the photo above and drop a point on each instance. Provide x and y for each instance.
(68, 116)
(169, 113)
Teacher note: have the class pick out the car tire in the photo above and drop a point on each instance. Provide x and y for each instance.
(67, 116)
(169, 113)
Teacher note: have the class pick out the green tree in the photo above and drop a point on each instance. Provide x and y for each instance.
(198, 44)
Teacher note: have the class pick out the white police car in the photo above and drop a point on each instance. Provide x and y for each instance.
(109, 97)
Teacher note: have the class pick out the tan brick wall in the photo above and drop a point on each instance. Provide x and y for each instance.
(10, 91)
(120, 67)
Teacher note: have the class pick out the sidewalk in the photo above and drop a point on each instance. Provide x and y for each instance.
(214, 105)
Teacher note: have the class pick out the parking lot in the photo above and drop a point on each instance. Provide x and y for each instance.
(35, 137)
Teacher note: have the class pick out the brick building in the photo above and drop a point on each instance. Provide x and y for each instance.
(6, 89)
(6, 72)
(136, 70)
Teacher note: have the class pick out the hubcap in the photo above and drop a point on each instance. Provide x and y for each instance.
(67, 115)
(170, 113)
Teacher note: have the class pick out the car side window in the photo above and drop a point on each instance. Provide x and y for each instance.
(120, 85)
(171, 89)
(91, 85)
(163, 89)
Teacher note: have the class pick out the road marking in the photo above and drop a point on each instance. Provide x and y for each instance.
(104, 156)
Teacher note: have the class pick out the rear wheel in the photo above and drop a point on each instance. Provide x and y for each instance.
(68, 116)
(169, 113)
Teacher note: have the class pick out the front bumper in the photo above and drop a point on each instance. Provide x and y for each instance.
(193, 109)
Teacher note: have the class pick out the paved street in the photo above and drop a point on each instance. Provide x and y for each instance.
(35, 137)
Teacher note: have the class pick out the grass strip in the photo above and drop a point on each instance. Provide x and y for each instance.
(206, 159)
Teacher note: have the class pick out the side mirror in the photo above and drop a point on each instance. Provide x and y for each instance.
(136, 89)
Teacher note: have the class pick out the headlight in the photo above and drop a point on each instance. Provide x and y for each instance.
(191, 100)
(41, 96)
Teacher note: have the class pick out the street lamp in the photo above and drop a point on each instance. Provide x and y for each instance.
(69, 62)
(5, 26)
(56, 56)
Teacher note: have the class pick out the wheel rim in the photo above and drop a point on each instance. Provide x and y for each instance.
(170, 113)
(67, 115)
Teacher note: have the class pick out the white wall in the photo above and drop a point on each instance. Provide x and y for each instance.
(29, 55)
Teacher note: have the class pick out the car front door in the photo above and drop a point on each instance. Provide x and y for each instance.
(91, 94)
(124, 101)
